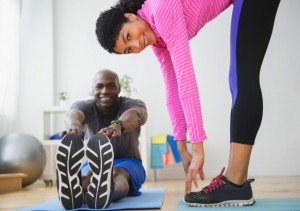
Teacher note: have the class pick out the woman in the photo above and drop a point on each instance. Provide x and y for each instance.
(131, 26)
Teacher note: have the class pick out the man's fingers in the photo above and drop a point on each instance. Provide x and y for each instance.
(63, 133)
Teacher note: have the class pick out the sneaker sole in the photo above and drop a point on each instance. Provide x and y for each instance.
(69, 158)
(100, 157)
(235, 203)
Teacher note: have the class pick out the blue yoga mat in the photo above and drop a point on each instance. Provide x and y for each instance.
(278, 204)
(151, 198)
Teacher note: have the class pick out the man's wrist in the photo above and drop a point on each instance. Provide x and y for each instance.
(118, 123)
(76, 127)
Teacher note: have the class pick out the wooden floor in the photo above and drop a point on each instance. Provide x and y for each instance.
(271, 187)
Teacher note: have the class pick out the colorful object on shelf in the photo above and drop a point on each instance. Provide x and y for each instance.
(163, 151)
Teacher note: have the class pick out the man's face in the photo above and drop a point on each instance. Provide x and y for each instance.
(106, 89)
(135, 35)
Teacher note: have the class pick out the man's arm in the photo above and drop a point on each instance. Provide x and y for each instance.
(74, 122)
(133, 118)
(130, 119)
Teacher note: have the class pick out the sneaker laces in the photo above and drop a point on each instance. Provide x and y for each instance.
(215, 182)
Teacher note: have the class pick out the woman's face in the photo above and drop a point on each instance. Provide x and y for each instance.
(135, 35)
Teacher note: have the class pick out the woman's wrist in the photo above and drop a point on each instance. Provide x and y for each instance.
(198, 148)
(182, 147)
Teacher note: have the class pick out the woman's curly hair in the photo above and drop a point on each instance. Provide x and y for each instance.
(111, 21)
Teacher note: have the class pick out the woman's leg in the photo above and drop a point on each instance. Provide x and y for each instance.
(251, 30)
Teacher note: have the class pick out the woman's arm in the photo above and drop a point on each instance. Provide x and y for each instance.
(177, 66)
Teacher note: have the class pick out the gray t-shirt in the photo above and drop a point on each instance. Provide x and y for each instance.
(126, 146)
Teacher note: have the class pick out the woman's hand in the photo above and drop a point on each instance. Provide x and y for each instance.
(196, 167)
(192, 164)
(186, 156)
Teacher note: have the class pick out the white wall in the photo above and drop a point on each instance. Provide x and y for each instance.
(60, 52)
(36, 65)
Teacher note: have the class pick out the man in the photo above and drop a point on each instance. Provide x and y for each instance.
(111, 124)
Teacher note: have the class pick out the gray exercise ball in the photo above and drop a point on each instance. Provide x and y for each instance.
(22, 153)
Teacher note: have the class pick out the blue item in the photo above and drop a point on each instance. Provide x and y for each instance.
(275, 204)
(173, 144)
(55, 136)
(151, 198)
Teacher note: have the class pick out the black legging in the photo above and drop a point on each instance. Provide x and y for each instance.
(251, 30)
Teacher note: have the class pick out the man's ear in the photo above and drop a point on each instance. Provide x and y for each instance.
(119, 89)
(130, 16)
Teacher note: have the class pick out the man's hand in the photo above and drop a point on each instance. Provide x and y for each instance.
(112, 131)
(73, 130)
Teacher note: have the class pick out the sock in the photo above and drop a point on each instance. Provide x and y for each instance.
(235, 185)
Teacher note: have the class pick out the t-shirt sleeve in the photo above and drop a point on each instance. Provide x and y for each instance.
(131, 103)
(172, 96)
(171, 26)
(86, 107)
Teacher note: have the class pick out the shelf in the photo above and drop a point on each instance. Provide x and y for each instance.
(54, 109)
(51, 142)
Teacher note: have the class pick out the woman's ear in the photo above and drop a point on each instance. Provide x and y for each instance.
(130, 16)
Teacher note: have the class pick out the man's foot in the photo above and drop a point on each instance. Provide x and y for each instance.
(100, 157)
(69, 158)
(221, 193)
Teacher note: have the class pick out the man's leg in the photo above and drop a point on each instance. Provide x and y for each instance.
(121, 181)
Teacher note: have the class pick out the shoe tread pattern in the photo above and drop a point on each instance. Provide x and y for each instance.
(100, 157)
(69, 159)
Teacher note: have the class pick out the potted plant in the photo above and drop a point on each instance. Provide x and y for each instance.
(90, 93)
(63, 98)
(125, 83)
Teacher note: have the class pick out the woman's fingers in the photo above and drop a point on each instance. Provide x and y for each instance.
(201, 173)
(188, 183)
(194, 177)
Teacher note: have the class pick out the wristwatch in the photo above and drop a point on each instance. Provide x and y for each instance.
(118, 122)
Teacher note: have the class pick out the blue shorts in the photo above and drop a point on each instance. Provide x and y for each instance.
(133, 166)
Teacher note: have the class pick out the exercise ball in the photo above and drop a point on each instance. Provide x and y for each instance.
(22, 153)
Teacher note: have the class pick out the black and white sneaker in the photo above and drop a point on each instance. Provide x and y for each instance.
(221, 193)
(100, 157)
(69, 158)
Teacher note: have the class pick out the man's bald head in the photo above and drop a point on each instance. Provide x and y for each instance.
(105, 73)
(106, 89)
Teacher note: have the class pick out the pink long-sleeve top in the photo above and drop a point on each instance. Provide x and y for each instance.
(175, 22)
